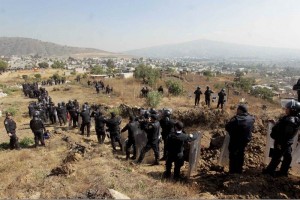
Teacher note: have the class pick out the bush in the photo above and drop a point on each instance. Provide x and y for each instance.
(4, 145)
(147, 74)
(153, 99)
(25, 77)
(174, 87)
(12, 110)
(85, 75)
(26, 142)
(116, 110)
(9, 90)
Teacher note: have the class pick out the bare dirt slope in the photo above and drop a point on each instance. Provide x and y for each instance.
(73, 166)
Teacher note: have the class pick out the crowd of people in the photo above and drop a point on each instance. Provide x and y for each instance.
(159, 127)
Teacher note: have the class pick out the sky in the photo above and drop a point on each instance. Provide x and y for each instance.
(120, 25)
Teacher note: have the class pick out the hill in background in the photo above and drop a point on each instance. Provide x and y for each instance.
(25, 46)
(208, 49)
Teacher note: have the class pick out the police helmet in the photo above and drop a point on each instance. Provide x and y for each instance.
(36, 114)
(293, 105)
(167, 113)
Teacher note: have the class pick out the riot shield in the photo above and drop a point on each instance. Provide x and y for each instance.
(296, 161)
(140, 140)
(194, 154)
(269, 144)
(224, 155)
(79, 123)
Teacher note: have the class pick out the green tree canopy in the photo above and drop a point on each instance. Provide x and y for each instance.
(43, 65)
(3, 65)
(97, 69)
(58, 65)
(147, 74)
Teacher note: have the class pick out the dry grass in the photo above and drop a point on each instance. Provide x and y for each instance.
(24, 173)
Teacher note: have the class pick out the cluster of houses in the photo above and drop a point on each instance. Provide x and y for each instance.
(280, 86)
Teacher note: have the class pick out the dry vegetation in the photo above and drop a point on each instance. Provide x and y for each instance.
(34, 173)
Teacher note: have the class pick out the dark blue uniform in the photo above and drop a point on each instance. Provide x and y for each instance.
(197, 96)
(152, 131)
(10, 126)
(239, 129)
(132, 127)
(86, 122)
(113, 125)
(37, 127)
(283, 134)
(175, 147)
(100, 126)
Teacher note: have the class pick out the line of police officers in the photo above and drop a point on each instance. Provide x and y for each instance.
(173, 136)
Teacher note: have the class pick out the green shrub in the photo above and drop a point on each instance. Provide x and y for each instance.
(85, 75)
(4, 145)
(26, 142)
(12, 110)
(153, 99)
(174, 87)
(116, 110)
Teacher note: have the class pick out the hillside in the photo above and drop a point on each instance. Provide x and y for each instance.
(25, 46)
(207, 49)
(77, 167)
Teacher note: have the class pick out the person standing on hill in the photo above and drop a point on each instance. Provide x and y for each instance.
(11, 126)
(283, 134)
(37, 127)
(132, 128)
(197, 96)
(239, 129)
(221, 98)
(207, 94)
(99, 125)
(86, 120)
(175, 147)
(113, 125)
(151, 128)
(167, 127)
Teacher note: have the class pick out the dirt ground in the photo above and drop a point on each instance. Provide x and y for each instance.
(74, 166)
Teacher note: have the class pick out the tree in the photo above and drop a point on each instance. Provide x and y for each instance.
(3, 65)
(110, 66)
(43, 65)
(25, 77)
(148, 74)
(153, 99)
(207, 73)
(38, 76)
(97, 69)
(174, 87)
(58, 65)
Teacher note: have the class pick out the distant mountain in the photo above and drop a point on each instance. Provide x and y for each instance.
(25, 46)
(208, 49)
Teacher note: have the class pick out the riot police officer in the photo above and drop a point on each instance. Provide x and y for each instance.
(283, 134)
(167, 126)
(99, 125)
(175, 146)
(113, 125)
(86, 120)
(239, 129)
(207, 95)
(221, 98)
(197, 93)
(152, 130)
(37, 127)
(132, 128)
(11, 126)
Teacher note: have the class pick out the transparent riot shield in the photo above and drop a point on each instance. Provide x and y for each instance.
(224, 155)
(296, 161)
(79, 123)
(194, 154)
(269, 144)
(140, 141)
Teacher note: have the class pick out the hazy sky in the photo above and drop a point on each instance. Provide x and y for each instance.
(118, 25)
